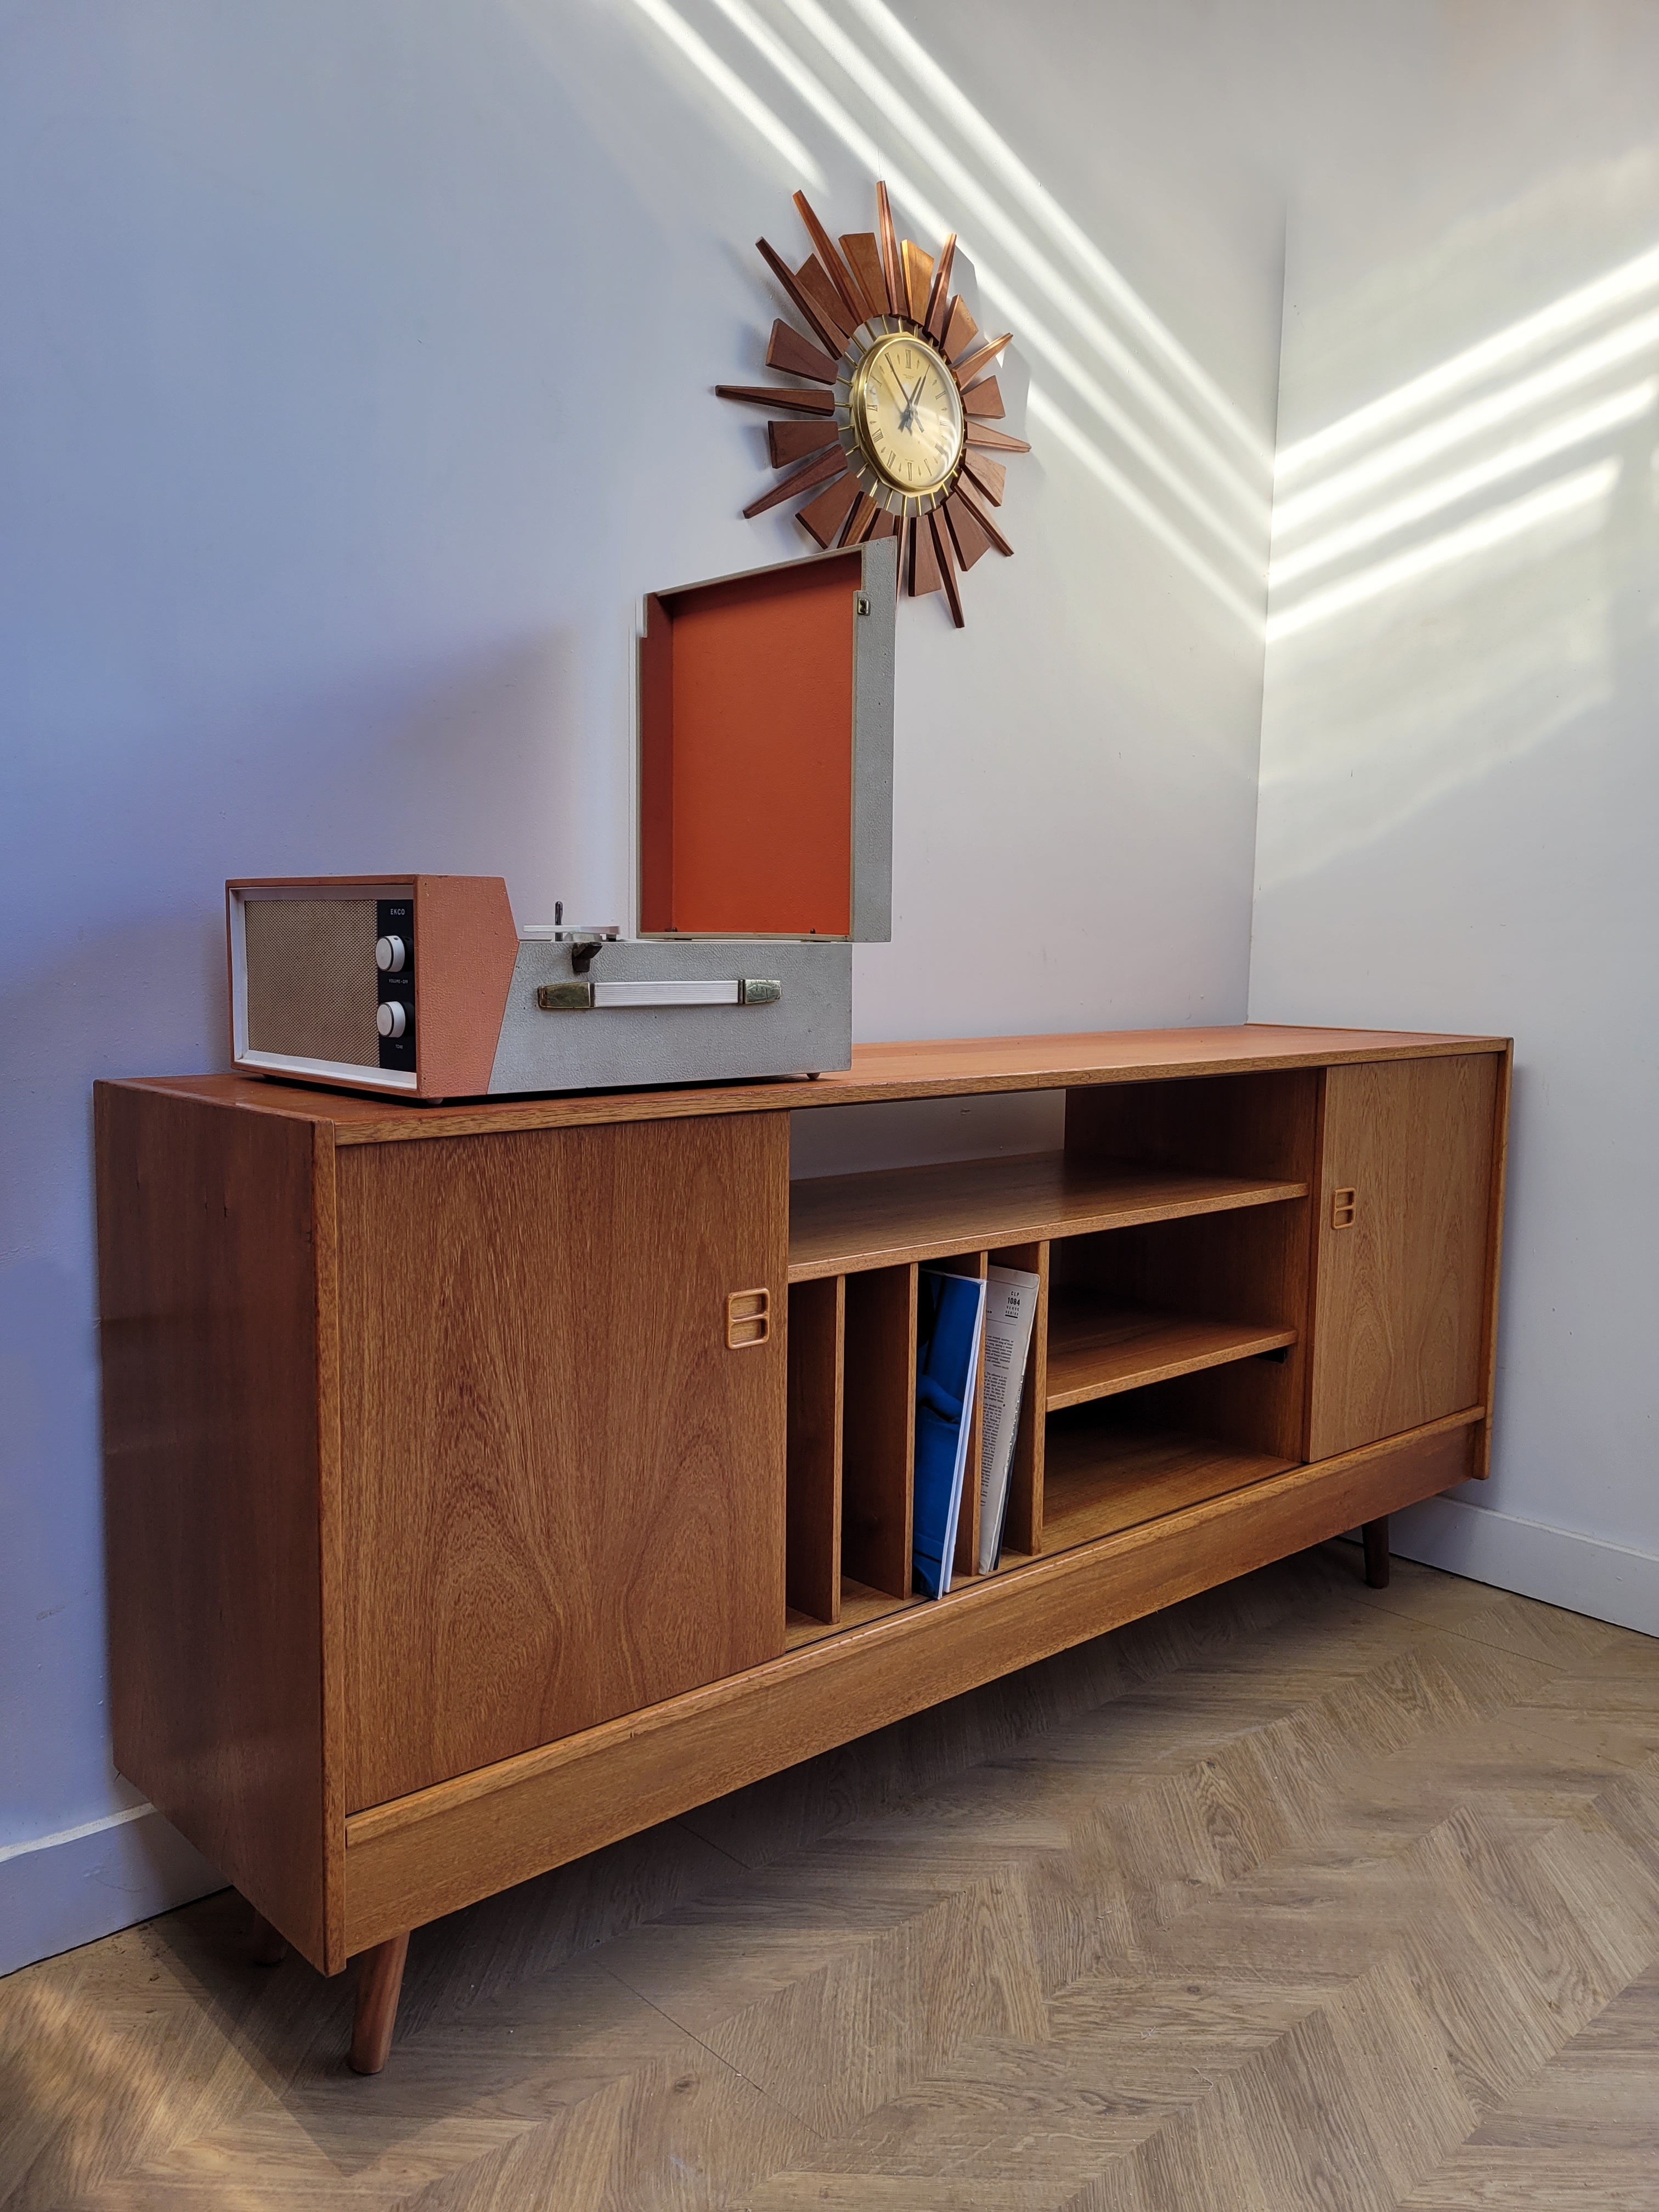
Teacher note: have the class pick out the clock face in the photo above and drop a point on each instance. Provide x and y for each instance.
(905, 413)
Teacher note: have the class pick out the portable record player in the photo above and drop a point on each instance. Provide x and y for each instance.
(765, 781)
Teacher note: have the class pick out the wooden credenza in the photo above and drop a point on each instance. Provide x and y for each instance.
(487, 1482)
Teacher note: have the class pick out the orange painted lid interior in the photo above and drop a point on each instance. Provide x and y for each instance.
(746, 755)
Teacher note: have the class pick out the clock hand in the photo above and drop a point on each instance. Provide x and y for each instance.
(898, 383)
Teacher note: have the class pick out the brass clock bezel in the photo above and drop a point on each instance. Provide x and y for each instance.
(870, 340)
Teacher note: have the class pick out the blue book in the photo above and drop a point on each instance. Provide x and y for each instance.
(950, 1312)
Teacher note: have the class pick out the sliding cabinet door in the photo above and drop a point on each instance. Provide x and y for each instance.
(1403, 1246)
(563, 1402)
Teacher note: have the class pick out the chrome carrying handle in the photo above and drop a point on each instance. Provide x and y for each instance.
(590, 993)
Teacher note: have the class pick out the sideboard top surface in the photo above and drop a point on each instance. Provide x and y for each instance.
(942, 1068)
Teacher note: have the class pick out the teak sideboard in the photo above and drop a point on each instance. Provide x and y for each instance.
(486, 1482)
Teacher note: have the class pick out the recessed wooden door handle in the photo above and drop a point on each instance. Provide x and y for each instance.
(1345, 1204)
(748, 1319)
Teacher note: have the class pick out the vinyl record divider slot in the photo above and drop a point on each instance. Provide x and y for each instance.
(818, 1333)
(1023, 1526)
(878, 1428)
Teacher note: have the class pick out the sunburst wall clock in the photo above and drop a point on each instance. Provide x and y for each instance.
(891, 434)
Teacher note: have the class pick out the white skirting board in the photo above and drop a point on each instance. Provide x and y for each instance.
(1606, 1581)
(68, 1889)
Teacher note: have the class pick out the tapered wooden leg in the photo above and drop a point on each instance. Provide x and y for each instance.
(380, 1982)
(1376, 1533)
(270, 1949)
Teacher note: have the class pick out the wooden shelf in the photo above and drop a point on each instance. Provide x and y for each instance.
(1105, 1475)
(859, 1603)
(842, 1224)
(1098, 1346)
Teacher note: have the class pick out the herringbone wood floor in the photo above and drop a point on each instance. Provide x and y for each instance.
(1298, 1896)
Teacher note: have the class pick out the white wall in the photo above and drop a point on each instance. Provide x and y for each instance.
(1459, 780)
(357, 364)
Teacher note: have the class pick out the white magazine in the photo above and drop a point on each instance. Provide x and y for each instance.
(1011, 1303)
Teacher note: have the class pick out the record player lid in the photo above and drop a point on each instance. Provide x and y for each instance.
(766, 751)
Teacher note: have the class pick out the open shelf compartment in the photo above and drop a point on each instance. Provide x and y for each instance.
(1172, 1244)
(1113, 1464)
(842, 1224)
(1100, 1346)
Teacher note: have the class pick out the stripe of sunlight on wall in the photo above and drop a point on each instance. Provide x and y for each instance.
(732, 89)
(1441, 578)
(1152, 429)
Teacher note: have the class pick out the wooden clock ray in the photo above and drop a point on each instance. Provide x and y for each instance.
(892, 433)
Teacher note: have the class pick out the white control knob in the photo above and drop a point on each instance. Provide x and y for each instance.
(390, 955)
(392, 1019)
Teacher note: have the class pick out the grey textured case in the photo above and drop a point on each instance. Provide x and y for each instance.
(809, 1030)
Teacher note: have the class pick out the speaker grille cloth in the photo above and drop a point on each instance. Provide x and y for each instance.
(312, 987)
